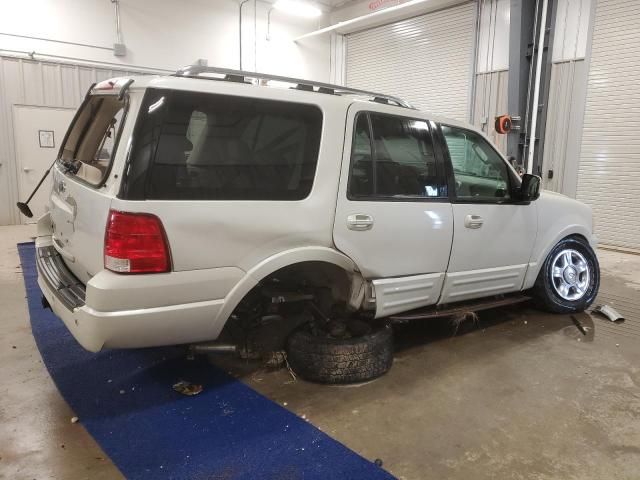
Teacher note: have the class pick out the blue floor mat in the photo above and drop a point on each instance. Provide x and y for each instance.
(124, 398)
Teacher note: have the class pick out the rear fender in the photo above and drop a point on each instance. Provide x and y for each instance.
(272, 264)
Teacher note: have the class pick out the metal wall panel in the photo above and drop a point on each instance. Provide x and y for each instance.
(30, 82)
(426, 60)
(609, 170)
(493, 38)
(491, 101)
(564, 121)
(571, 29)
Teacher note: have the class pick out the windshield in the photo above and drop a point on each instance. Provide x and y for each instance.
(90, 144)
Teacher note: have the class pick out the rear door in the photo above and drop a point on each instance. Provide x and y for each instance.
(80, 198)
(492, 236)
(393, 216)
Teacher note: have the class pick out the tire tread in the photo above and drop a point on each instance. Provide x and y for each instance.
(326, 360)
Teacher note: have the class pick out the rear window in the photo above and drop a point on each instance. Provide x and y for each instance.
(91, 142)
(194, 146)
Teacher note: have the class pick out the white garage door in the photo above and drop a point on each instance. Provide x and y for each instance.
(609, 171)
(426, 60)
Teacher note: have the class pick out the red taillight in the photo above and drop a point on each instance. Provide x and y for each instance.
(135, 243)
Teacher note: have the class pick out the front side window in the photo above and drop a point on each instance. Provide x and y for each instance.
(193, 146)
(393, 157)
(91, 142)
(479, 172)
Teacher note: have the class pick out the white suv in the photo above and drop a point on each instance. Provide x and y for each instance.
(181, 202)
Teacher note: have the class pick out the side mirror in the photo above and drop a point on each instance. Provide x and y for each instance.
(530, 188)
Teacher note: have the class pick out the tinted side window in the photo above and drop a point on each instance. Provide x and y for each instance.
(216, 147)
(395, 159)
(480, 173)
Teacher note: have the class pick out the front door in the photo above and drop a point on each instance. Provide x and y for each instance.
(393, 215)
(38, 133)
(493, 236)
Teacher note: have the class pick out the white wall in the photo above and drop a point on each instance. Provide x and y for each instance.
(362, 7)
(158, 34)
(167, 34)
(279, 54)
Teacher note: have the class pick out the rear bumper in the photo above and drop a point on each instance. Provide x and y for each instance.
(123, 327)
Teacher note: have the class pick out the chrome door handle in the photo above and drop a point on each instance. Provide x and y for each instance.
(359, 222)
(473, 221)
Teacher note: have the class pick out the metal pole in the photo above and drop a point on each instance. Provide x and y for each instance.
(536, 91)
(474, 70)
(116, 4)
(240, 30)
(30, 37)
(269, 23)
(526, 124)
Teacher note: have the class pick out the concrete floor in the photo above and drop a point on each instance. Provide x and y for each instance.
(520, 394)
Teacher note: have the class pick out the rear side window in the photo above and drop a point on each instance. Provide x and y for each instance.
(393, 157)
(193, 146)
(92, 140)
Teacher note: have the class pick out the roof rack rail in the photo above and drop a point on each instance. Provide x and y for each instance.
(197, 71)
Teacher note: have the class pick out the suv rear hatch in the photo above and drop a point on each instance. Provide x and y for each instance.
(80, 199)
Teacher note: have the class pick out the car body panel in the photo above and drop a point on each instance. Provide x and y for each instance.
(492, 259)
(559, 216)
(400, 294)
(406, 251)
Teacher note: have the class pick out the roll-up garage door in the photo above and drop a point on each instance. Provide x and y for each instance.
(609, 169)
(426, 60)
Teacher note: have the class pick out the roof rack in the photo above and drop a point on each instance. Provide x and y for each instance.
(229, 75)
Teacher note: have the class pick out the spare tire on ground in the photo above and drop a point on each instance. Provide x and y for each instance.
(325, 359)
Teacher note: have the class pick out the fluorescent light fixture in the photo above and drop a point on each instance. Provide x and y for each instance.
(298, 8)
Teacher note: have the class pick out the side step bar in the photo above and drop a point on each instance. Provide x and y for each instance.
(458, 308)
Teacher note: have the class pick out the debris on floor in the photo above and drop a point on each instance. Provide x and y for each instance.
(276, 359)
(578, 325)
(74, 419)
(609, 312)
(187, 388)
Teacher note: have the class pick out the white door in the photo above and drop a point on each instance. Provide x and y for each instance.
(492, 235)
(427, 60)
(38, 132)
(393, 216)
(609, 165)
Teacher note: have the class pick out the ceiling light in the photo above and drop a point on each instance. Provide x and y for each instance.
(298, 8)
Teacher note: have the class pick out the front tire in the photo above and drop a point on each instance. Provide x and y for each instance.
(569, 279)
